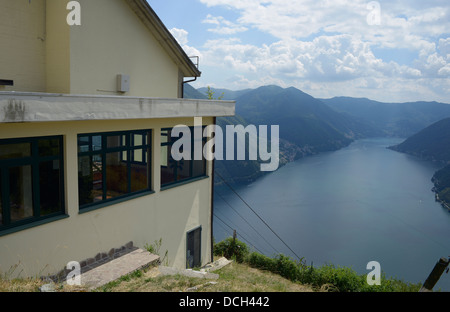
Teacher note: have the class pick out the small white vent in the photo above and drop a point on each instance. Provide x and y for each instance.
(123, 83)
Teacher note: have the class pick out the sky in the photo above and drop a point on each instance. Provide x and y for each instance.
(389, 51)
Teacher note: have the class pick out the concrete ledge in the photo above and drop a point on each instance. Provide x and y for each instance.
(41, 107)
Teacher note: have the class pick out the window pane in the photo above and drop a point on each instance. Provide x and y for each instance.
(83, 144)
(138, 140)
(137, 155)
(19, 150)
(90, 179)
(199, 165)
(183, 169)
(89, 143)
(165, 136)
(21, 195)
(48, 147)
(116, 141)
(167, 166)
(139, 175)
(96, 143)
(49, 182)
(164, 156)
(116, 176)
(1, 211)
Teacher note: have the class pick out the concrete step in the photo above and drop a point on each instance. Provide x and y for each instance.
(116, 268)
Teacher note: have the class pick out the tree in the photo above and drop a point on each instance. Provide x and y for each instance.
(210, 93)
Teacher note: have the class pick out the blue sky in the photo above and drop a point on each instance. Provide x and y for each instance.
(392, 51)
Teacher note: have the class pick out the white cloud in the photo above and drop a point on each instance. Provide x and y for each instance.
(181, 36)
(326, 58)
(223, 26)
(328, 45)
(444, 47)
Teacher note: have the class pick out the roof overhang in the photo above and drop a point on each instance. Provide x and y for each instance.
(150, 19)
(16, 107)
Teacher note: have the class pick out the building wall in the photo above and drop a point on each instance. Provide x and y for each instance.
(22, 41)
(57, 47)
(42, 53)
(166, 215)
(111, 40)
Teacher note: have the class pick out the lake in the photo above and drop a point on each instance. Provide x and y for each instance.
(349, 207)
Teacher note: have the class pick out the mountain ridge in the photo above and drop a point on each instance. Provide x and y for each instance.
(310, 126)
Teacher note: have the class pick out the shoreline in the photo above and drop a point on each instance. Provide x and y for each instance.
(443, 203)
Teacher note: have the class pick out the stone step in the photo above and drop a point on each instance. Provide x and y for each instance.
(116, 268)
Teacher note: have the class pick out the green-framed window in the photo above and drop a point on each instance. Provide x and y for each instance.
(31, 180)
(176, 171)
(113, 166)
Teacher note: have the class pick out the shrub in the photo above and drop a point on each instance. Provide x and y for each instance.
(259, 261)
(342, 279)
(232, 249)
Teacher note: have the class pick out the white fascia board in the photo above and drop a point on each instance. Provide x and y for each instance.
(43, 107)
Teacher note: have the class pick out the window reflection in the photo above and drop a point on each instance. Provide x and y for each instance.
(50, 197)
(116, 176)
(90, 179)
(31, 180)
(1, 209)
(173, 171)
(20, 193)
(120, 167)
(48, 147)
(10, 151)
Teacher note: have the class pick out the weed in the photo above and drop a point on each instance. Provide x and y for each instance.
(155, 249)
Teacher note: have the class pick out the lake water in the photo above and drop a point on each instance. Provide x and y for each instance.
(359, 204)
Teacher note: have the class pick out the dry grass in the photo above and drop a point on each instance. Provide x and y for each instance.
(233, 278)
(20, 285)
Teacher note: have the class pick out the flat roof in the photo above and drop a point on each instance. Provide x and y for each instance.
(16, 107)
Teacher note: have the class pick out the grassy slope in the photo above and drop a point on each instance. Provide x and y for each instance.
(233, 278)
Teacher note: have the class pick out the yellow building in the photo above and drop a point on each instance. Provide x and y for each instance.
(86, 113)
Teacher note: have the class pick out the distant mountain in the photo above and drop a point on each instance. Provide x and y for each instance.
(307, 126)
(237, 171)
(304, 120)
(432, 143)
(227, 94)
(393, 119)
(191, 93)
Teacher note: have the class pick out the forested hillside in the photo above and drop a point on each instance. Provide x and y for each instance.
(433, 143)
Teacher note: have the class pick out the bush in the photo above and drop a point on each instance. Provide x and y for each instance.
(340, 279)
(259, 261)
(232, 249)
